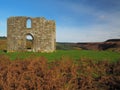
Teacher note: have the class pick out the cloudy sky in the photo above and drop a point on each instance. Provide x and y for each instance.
(76, 20)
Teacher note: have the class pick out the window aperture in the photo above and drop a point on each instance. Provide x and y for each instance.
(28, 23)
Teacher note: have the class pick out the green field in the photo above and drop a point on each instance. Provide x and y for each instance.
(72, 54)
(60, 70)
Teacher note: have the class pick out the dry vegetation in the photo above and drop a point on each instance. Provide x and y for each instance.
(38, 74)
(3, 44)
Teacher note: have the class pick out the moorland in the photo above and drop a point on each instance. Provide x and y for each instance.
(73, 66)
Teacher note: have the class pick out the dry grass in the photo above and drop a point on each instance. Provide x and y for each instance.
(3, 44)
(38, 74)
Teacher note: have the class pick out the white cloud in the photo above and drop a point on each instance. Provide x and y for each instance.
(102, 16)
(3, 28)
(93, 33)
(106, 25)
(76, 8)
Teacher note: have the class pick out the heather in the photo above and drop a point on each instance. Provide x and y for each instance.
(38, 73)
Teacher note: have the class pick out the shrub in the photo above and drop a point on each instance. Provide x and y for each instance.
(64, 74)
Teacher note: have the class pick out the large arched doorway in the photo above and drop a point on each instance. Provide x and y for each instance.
(29, 42)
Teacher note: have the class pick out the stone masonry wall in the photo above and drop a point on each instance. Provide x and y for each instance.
(43, 32)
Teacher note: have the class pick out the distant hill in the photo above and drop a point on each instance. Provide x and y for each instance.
(3, 37)
(111, 44)
(3, 43)
(113, 40)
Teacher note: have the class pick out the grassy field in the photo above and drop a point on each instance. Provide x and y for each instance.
(56, 72)
(61, 70)
(72, 54)
(64, 69)
(63, 50)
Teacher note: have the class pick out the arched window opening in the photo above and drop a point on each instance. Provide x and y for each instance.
(29, 42)
(28, 23)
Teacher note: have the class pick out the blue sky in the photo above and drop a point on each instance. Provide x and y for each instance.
(76, 20)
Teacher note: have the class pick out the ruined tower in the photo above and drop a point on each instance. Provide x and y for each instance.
(42, 31)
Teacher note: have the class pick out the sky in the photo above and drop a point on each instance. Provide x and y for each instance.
(76, 20)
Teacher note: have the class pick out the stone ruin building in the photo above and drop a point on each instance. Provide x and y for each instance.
(42, 32)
